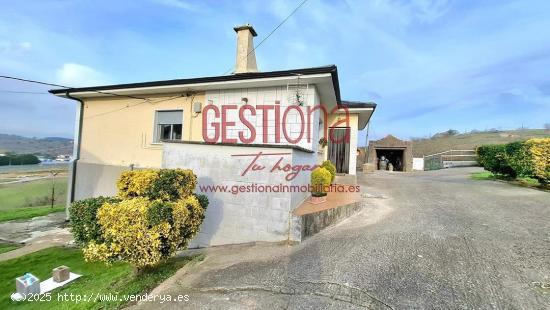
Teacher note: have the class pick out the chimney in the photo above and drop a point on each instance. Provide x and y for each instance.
(246, 58)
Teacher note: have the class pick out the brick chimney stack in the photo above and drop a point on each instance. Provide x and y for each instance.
(246, 58)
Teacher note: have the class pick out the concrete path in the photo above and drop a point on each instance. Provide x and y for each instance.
(427, 240)
(37, 233)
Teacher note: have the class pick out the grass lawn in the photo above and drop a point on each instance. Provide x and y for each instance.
(6, 247)
(97, 278)
(30, 199)
(526, 182)
(27, 213)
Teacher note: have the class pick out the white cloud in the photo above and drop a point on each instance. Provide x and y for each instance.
(74, 75)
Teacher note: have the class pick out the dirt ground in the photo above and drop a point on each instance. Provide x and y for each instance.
(426, 240)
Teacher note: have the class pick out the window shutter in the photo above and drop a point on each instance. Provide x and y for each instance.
(169, 117)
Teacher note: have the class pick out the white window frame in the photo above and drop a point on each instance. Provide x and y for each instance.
(156, 125)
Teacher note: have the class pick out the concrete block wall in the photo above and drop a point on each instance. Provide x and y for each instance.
(242, 217)
(94, 180)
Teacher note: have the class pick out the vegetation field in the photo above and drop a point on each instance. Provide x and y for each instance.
(6, 247)
(468, 141)
(29, 199)
(520, 181)
(97, 282)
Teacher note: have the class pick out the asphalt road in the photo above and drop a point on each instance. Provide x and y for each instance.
(436, 240)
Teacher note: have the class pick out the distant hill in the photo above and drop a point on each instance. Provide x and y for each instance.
(451, 140)
(50, 146)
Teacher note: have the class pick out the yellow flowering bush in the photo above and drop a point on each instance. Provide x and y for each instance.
(155, 214)
(163, 184)
(128, 235)
(539, 157)
(136, 183)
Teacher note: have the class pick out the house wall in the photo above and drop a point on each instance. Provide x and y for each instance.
(119, 132)
(266, 96)
(245, 216)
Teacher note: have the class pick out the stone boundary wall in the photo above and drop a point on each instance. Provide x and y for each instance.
(315, 222)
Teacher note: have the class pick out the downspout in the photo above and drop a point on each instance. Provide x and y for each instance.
(76, 152)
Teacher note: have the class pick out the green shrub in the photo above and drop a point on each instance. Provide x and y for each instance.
(161, 184)
(517, 158)
(83, 219)
(327, 164)
(320, 181)
(22, 159)
(4, 160)
(527, 159)
(203, 200)
(154, 215)
(143, 232)
(193, 220)
(494, 158)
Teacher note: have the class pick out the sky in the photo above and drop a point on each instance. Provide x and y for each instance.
(430, 65)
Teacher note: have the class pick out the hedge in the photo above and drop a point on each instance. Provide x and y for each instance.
(494, 159)
(82, 215)
(529, 158)
(154, 214)
(538, 159)
(163, 184)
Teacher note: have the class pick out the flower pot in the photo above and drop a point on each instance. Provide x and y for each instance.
(317, 200)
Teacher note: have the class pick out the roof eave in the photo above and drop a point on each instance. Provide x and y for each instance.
(225, 78)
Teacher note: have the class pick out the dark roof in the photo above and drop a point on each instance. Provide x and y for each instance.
(234, 77)
(357, 104)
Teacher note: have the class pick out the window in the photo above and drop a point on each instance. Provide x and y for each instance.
(168, 125)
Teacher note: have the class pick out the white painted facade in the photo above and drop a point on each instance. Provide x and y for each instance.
(268, 96)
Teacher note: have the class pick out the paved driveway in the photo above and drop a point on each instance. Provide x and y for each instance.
(438, 241)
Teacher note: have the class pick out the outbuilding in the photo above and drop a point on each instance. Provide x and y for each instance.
(395, 151)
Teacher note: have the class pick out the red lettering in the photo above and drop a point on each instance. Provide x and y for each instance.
(287, 137)
(226, 124)
(215, 125)
(265, 109)
(247, 124)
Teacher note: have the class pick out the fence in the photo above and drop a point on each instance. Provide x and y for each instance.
(449, 159)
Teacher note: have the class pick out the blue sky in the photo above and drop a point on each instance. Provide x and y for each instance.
(430, 65)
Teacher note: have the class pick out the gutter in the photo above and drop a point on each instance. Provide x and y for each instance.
(76, 151)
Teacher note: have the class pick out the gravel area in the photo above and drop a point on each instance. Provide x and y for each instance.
(426, 240)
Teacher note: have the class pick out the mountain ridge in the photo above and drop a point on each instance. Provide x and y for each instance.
(48, 146)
